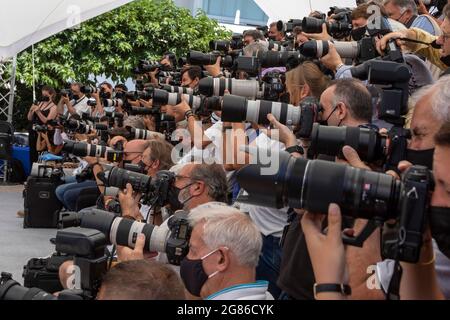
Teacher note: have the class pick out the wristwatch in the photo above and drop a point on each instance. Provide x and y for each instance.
(294, 149)
(343, 289)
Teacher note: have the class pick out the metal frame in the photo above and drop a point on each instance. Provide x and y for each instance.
(7, 101)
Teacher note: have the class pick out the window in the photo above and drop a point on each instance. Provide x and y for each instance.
(225, 11)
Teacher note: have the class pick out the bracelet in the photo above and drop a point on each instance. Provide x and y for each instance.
(429, 262)
(343, 289)
(188, 114)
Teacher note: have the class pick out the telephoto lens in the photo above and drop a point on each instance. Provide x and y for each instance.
(174, 89)
(219, 45)
(141, 134)
(273, 59)
(239, 109)
(288, 26)
(197, 58)
(119, 178)
(369, 144)
(197, 103)
(314, 185)
(89, 89)
(162, 98)
(115, 115)
(314, 25)
(399, 207)
(11, 290)
(109, 103)
(81, 149)
(318, 49)
(217, 86)
(172, 239)
(142, 111)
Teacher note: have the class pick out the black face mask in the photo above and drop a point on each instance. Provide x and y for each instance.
(439, 219)
(358, 33)
(420, 157)
(76, 97)
(174, 203)
(446, 60)
(45, 99)
(105, 95)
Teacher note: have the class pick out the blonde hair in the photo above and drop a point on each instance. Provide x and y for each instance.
(306, 73)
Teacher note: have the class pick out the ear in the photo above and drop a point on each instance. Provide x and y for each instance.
(224, 260)
(197, 188)
(306, 91)
(155, 164)
(342, 111)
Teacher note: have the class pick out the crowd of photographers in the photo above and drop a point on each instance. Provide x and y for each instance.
(305, 160)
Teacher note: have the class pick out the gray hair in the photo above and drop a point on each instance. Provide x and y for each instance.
(215, 180)
(256, 47)
(439, 98)
(404, 5)
(228, 227)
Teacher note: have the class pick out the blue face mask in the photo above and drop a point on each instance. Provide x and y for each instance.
(193, 274)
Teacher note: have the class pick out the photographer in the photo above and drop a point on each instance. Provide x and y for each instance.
(345, 102)
(141, 280)
(78, 104)
(40, 114)
(307, 80)
(275, 34)
(251, 36)
(225, 247)
(405, 12)
(419, 281)
(106, 92)
(423, 44)
(156, 157)
(190, 77)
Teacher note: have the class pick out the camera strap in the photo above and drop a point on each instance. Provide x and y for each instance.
(393, 292)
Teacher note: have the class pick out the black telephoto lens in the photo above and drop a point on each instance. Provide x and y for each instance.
(314, 185)
(119, 178)
(369, 144)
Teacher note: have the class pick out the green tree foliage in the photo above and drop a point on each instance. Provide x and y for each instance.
(111, 45)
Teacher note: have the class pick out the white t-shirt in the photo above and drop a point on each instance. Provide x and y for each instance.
(80, 106)
(213, 150)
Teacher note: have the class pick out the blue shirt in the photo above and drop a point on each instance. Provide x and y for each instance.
(249, 291)
(424, 23)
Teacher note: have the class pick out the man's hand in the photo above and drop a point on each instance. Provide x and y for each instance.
(91, 160)
(319, 36)
(382, 43)
(145, 103)
(352, 158)
(327, 252)
(332, 60)
(96, 96)
(214, 70)
(129, 203)
(128, 254)
(180, 110)
(286, 136)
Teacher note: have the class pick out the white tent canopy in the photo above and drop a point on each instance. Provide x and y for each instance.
(25, 22)
(296, 9)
